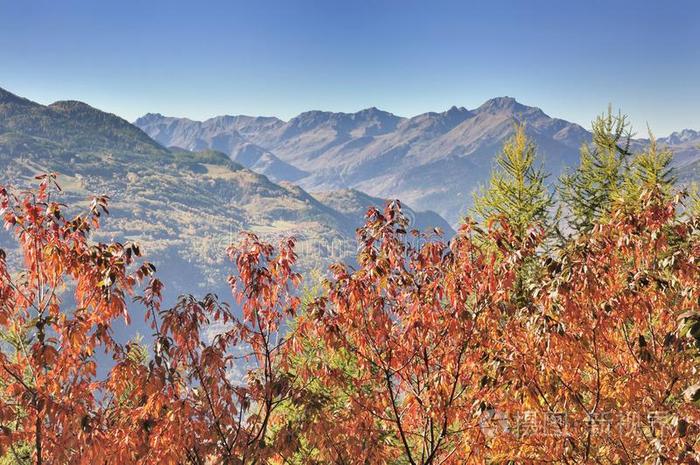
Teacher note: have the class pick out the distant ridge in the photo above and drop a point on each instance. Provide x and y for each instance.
(435, 160)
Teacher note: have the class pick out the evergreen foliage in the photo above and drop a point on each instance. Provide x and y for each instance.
(589, 191)
(517, 189)
(649, 169)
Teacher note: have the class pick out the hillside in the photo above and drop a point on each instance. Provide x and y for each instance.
(66, 127)
(184, 206)
(233, 135)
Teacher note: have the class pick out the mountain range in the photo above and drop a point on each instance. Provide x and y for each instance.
(433, 161)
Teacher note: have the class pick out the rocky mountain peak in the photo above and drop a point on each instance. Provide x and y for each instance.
(681, 137)
(500, 104)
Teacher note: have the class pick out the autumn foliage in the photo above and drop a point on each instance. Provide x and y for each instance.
(51, 397)
(426, 351)
(419, 324)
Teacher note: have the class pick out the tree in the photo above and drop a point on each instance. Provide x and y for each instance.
(50, 399)
(187, 406)
(517, 189)
(424, 353)
(517, 193)
(649, 170)
(320, 415)
(590, 190)
(692, 204)
(610, 359)
(419, 321)
(306, 415)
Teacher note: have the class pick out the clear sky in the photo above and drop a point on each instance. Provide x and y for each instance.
(204, 58)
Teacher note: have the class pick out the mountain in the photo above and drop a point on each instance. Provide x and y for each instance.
(67, 126)
(233, 135)
(183, 206)
(263, 161)
(685, 145)
(432, 161)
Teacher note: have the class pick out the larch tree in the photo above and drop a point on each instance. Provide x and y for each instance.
(649, 169)
(517, 189)
(589, 191)
(518, 194)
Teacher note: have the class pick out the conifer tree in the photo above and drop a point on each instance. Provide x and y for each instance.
(589, 191)
(518, 194)
(692, 205)
(517, 189)
(649, 170)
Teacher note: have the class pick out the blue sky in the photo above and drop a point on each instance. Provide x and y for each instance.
(200, 59)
